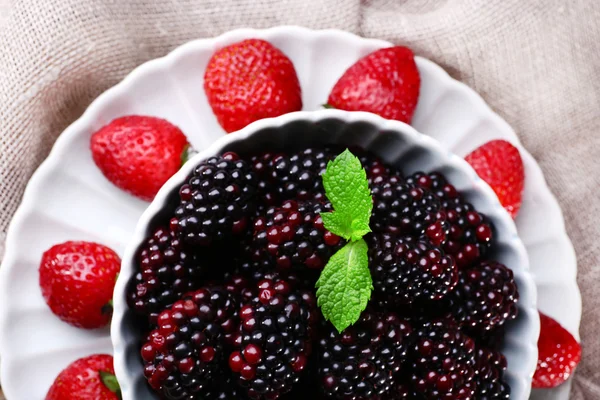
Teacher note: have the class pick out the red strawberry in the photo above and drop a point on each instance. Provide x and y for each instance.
(385, 82)
(139, 153)
(248, 81)
(559, 354)
(89, 378)
(77, 281)
(500, 165)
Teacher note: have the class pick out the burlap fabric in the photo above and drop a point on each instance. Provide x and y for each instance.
(535, 62)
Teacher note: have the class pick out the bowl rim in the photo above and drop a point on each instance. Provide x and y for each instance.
(528, 311)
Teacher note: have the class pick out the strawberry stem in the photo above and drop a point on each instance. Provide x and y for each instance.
(326, 105)
(110, 381)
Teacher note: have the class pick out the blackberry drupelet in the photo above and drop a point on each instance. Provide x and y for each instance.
(217, 201)
(406, 271)
(298, 175)
(436, 183)
(274, 341)
(469, 233)
(490, 376)
(376, 169)
(486, 297)
(293, 236)
(360, 363)
(244, 286)
(403, 208)
(262, 165)
(185, 354)
(443, 362)
(166, 272)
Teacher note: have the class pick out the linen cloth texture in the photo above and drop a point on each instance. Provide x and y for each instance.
(537, 63)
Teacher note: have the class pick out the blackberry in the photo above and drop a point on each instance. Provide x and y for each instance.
(491, 385)
(184, 356)
(293, 236)
(360, 362)
(406, 271)
(274, 341)
(403, 208)
(469, 233)
(486, 297)
(166, 272)
(298, 176)
(443, 362)
(217, 201)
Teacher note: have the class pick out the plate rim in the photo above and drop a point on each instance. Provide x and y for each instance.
(72, 131)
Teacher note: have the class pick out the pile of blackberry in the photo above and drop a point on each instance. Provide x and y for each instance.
(225, 288)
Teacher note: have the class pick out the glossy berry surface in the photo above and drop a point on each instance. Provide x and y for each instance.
(77, 280)
(385, 82)
(402, 208)
(297, 175)
(405, 271)
(376, 169)
(166, 272)
(360, 363)
(490, 368)
(559, 353)
(90, 377)
(217, 202)
(469, 234)
(275, 339)
(138, 153)
(499, 164)
(292, 236)
(443, 362)
(185, 354)
(262, 165)
(487, 297)
(250, 80)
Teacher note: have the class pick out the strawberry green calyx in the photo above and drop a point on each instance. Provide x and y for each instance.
(110, 381)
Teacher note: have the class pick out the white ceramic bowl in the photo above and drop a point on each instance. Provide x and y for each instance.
(396, 143)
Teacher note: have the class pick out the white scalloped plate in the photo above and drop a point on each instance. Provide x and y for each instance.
(68, 197)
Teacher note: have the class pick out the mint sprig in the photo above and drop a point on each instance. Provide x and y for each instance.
(347, 189)
(345, 285)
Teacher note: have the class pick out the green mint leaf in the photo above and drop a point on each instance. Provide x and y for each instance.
(110, 381)
(345, 285)
(359, 229)
(337, 223)
(347, 189)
